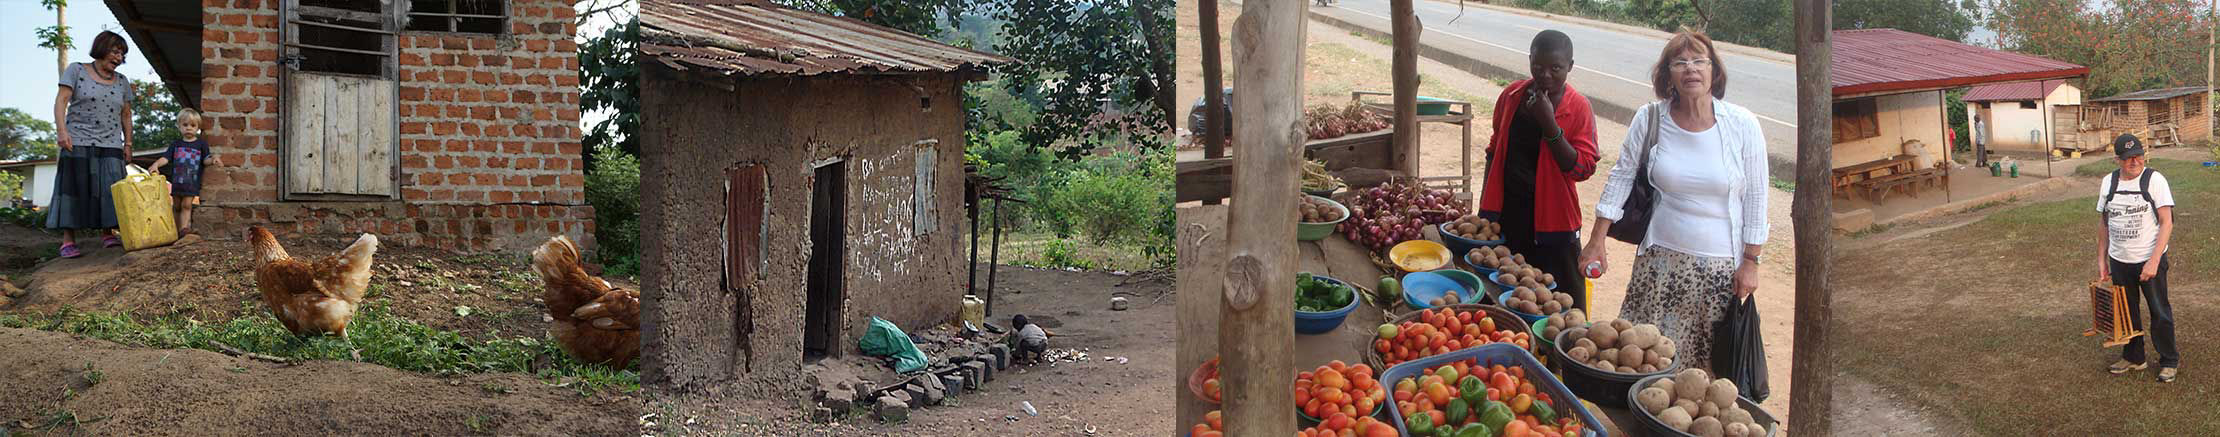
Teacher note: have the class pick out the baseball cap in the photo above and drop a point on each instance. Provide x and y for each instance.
(2127, 146)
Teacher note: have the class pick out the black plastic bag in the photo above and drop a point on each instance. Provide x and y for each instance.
(1738, 351)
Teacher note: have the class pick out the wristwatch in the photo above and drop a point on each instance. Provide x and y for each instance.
(1752, 257)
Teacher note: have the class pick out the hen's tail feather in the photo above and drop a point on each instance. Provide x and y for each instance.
(354, 267)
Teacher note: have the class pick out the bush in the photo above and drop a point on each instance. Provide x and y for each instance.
(613, 188)
(1124, 196)
(25, 217)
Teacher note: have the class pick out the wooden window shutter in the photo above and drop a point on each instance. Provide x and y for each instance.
(923, 199)
(747, 198)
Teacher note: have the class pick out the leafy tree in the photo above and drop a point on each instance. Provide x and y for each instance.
(2128, 45)
(1946, 19)
(1757, 23)
(613, 188)
(612, 80)
(55, 37)
(154, 116)
(24, 137)
(1095, 66)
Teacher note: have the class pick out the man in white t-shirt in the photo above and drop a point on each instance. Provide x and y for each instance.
(2138, 208)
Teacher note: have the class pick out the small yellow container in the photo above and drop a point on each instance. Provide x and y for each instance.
(143, 216)
(975, 310)
(1419, 255)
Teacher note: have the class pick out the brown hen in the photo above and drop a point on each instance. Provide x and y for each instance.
(595, 322)
(311, 298)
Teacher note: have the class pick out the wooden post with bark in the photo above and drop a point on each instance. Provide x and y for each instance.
(1256, 343)
(1811, 386)
(1214, 85)
(1406, 30)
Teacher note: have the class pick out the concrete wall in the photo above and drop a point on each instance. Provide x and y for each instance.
(1902, 117)
(694, 131)
(2009, 125)
(488, 135)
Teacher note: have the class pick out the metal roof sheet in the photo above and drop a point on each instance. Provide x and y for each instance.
(2013, 91)
(1874, 61)
(754, 37)
(2153, 94)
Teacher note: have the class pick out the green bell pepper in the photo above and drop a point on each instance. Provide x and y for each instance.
(1495, 414)
(1419, 424)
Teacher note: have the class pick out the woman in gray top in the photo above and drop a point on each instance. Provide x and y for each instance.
(92, 116)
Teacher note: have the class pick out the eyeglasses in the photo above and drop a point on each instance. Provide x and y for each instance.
(1683, 64)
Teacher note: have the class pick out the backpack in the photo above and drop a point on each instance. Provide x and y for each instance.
(2143, 187)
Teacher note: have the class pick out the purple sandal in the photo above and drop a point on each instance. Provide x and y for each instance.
(69, 250)
(111, 241)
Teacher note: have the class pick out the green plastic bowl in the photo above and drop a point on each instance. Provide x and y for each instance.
(1432, 106)
(1319, 231)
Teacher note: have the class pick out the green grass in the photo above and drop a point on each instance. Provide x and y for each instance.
(1041, 249)
(1980, 325)
(1784, 185)
(378, 336)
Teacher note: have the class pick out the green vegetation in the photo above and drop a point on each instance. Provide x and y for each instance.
(1757, 23)
(613, 188)
(376, 336)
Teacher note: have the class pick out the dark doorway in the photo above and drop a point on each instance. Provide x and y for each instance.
(828, 234)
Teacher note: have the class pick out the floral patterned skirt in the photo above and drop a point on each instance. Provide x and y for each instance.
(1683, 295)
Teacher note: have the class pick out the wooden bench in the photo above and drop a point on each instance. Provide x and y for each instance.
(1878, 189)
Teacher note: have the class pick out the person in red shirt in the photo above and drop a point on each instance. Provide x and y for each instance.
(1544, 143)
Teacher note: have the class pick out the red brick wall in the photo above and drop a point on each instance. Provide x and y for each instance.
(487, 122)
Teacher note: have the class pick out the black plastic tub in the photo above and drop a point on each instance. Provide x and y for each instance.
(1653, 427)
(1596, 385)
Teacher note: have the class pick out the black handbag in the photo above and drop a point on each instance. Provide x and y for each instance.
(1738, 351)
(1634, 222)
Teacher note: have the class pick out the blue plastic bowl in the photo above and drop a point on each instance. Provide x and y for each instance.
(1476, 267)
(1461, 246)
(1475, 288)
(1497, 279)
(1529, 318)
(1508, 355)
(1420, 287)
(1313, 323)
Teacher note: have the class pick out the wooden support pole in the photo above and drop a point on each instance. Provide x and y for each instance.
(1256, 341)
(1214, 85)
(1405, 27)
(1811, 381)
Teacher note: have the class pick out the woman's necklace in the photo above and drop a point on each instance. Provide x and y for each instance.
(105, 75)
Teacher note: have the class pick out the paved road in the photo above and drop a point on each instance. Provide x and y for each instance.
(1612, 67)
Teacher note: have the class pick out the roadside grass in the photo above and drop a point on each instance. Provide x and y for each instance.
(1335, 70)
(1982, 323)
(376, 336)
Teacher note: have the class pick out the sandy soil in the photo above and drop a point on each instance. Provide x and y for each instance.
(118, 390)
(1106, 397)
(200, 392)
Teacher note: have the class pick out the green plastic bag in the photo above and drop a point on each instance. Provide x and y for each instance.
(885, 339)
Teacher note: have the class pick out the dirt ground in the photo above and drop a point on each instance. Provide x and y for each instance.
(214, 280)
(1094, 397)
(208, 393)
(1362, 64)
(117, 390)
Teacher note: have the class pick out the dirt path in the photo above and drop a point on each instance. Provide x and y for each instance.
(1776, 298)
(127, 391)
(1107, 397)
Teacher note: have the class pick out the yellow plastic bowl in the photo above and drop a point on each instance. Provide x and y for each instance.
(1419, 255)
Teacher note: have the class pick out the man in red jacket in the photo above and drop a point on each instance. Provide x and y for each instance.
(1544, 143)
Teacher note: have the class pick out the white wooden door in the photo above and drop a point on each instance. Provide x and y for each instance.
(339, 136)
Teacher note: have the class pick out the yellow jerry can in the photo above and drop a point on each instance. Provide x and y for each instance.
(143, 214)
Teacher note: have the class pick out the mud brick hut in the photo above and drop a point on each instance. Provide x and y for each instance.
(817, 181)
(2163, 117)
(438, 123)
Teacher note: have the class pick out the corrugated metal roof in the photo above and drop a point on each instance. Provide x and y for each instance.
(2013, 91)
(2154, 94)
(754, 37)
(1876, 61)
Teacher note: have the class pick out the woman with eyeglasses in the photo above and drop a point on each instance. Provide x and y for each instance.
(92, 123)
(1707, 223)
